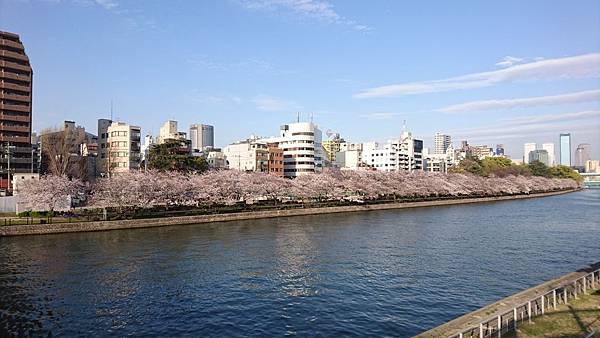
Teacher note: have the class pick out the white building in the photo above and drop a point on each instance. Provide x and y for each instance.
(216, 159)
(527, 148)
(549, 147)
(404, 153)
(349, 157)
(168, 131)
(248, 155)
(202, 137)
(442, 142)
(145, 149)
(439, 162)
(120, 147)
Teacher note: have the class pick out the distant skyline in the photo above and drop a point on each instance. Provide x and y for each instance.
(507, 72)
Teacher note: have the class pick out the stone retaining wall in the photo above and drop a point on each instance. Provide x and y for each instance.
(40, 229)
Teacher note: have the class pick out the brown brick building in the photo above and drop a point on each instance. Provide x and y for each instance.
(275, 164)
(16, 78)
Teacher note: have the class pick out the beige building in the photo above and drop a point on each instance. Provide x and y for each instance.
(592, 166)
(168, 131)
(120, 147)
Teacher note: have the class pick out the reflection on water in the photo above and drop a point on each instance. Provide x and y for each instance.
(381, 273)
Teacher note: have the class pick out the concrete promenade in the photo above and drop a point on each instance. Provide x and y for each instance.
(504, 316)
(41, 229)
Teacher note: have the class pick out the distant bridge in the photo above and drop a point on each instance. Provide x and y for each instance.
(591, 180)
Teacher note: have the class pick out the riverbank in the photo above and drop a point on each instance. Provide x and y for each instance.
(42, 229)
(511, 313)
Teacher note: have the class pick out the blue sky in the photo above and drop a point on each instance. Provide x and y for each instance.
(491, 72)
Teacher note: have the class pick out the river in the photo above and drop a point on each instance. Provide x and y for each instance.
(380, 273)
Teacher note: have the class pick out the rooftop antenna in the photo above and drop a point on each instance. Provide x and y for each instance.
(311, 117)
(298, 118)
(403, 125)
(111, 110)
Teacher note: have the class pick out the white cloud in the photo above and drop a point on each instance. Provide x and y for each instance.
(270, 103)
(527, 125)
(583, 96)
(380, 116)
(509, 61)
(581, 66)
(319, 10)
(107, 4)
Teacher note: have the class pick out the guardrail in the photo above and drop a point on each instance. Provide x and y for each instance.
(508, 321)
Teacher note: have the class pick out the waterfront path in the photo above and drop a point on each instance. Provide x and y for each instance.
(40, 229)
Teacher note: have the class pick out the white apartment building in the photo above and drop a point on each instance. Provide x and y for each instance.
(202, 136)
(302, 148)
(248, 155)
(120, 147)
(168, 131)
(549, 147)
(527, 148)
(349, 157)
(442, 142)
(439, 162)
(404, 153)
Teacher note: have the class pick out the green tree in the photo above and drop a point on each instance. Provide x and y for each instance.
(562, 171)
(539, 169)
(174, 155)
(495, 165)
(471, 164)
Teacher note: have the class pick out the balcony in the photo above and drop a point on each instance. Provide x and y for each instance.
(13, 55)
(14, 65)
(14, 107)
(13, 86)
(10, 43)
(16, 160)
(15, 76)
(14, 128)
(16, 139)
(16, 118)
(15, 97)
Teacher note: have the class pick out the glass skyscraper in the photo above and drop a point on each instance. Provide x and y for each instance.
(565, 149)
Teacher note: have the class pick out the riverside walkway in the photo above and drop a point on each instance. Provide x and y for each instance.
(505, 315)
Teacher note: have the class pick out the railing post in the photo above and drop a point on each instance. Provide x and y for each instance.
(515, 318)
(529, 310)
(565, 294)
(480, 330)
(584, 285)
(543, 303)
(554, 299)
(499, 325)
(460, 335)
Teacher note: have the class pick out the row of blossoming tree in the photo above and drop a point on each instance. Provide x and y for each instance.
(153, 188)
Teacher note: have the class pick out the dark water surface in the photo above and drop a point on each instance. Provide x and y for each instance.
(383, 273)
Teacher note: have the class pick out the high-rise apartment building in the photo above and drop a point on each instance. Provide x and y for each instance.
(202, 136)
(120, 147)
(16, 78)
(565, 149)
(549, 147)
(442, 142)
(582, 154)
(527, 148)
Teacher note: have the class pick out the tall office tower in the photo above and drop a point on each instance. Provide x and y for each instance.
(527, 148)
(565, 149)
(202, 136)
(16, 81)
(549, 147)
(582, 154)
(442, 142)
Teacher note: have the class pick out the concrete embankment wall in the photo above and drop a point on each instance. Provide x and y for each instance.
(40, 229)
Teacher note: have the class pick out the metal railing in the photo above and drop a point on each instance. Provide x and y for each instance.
(508, 321)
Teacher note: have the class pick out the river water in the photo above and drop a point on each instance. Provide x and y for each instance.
(380, 273)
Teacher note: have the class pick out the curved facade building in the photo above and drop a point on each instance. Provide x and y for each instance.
(302, 148)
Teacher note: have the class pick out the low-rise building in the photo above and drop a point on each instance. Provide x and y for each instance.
(248, 155)
(404, 153)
